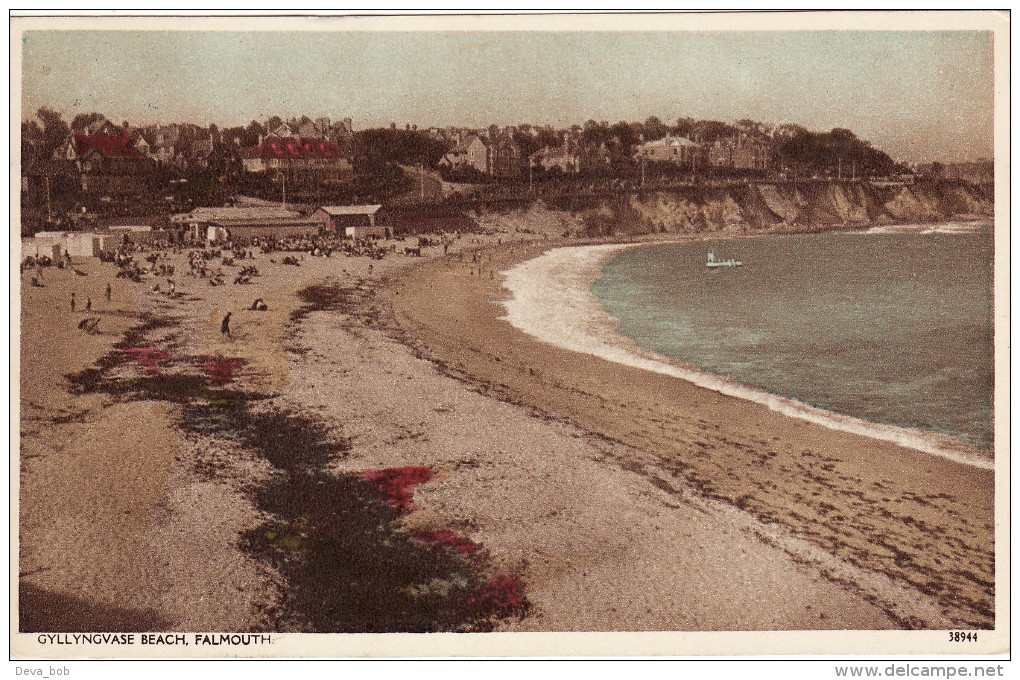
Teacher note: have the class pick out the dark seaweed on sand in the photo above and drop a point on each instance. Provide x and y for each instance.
(346, 566)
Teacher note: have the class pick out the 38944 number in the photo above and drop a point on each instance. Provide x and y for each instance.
(961, 636)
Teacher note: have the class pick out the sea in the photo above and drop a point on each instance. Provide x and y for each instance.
(885, 332)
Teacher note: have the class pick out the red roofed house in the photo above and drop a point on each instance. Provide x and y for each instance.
(299, 158)
(109, 164)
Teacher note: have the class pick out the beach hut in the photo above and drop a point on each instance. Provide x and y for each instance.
(82, 244)
(36, 247)
(74, 243)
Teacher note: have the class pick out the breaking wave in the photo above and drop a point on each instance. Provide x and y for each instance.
(551, 301)
(943, 228)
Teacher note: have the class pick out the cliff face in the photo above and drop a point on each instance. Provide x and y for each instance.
(743, 208)
(778, 207)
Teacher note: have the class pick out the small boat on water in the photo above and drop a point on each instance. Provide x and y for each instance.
(712, 262)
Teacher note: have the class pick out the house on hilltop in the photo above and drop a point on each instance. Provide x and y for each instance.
(559, 158)
(678, 151)
(503, 156)
(496, 155)
(108, 164)
(458, 159)
(741, 152)
(101, 126)
(298, 158)
(339, 132)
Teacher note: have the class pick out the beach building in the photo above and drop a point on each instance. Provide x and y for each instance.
(354, 221)
(199, 220)
(245, 223)
(41, 247)
(55, 243)
(246, 231)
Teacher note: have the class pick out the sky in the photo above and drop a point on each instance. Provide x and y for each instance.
(919, 95)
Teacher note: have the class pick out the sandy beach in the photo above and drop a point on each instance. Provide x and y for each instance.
(621, 499)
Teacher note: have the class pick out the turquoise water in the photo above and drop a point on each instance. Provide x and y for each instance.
(893, 328)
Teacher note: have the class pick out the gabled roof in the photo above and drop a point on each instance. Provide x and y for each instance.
(462, 146)
(351, 209)
(96, 127)
(110, 146)
(296, 147)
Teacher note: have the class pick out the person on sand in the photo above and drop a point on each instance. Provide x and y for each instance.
(225, 325)
(88, 303)
(74, 303)
(109, 292)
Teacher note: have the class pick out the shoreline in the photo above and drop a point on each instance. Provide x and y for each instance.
(559, 280)
(874, 504)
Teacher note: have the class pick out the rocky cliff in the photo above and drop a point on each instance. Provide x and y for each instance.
(770, 207)
(775, 207)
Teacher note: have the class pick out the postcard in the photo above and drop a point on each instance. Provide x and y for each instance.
(510, 335)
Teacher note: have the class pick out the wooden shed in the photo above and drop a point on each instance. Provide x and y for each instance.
(354, 221)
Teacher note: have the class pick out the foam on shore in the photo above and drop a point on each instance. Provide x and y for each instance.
(946, 228)
(551, 301)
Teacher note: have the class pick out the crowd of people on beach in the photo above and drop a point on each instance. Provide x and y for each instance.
(159, 264)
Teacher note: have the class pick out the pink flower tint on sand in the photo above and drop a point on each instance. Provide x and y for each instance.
(450, 539)
(149, 357)
(503, 594)
(222, 370)
(397, 484)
